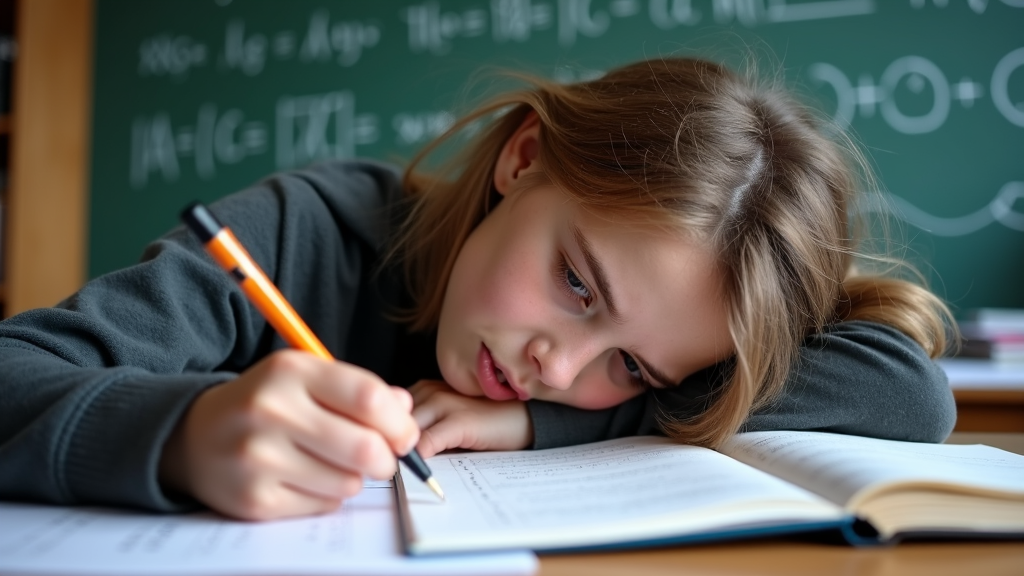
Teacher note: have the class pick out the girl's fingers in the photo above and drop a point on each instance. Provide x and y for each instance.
(287, 437)
(403, 396)
(361, 396)
(427, 414)
(288, 501)
(425, 389)
(291, 482)
(309, 474)
(446, 434)
(345, 445)
(274, 500)
(432, 400)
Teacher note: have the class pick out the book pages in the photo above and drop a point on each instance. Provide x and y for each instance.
(848, 469)
(609, 492)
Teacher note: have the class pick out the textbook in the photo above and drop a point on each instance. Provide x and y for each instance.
(648, 491)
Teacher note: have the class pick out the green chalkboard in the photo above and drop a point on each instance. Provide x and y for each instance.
(195, 99)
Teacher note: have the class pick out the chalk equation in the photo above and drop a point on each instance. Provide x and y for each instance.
(320, 126)
(248, 51)
(304, 129)
(312, 127)
(429, 27)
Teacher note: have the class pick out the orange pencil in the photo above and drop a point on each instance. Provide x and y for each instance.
(228, 252)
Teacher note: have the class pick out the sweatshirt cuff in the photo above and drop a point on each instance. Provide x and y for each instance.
(113, 448)
(556, 425)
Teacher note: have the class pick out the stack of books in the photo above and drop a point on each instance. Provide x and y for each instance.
(994, 333)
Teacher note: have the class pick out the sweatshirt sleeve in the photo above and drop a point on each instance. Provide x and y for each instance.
(864, 379)
(92, 387)
(859, 378)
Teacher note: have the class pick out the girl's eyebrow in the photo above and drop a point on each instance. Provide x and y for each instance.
(597, 270)
(601, 279)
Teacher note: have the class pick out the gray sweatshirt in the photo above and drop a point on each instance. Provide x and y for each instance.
(91, 388)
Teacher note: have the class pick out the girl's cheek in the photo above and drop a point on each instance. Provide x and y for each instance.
(516, 291)
(599, 397)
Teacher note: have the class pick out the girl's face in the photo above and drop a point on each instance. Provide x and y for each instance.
(549, 301)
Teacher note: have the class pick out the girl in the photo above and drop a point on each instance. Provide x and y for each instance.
(663, 250)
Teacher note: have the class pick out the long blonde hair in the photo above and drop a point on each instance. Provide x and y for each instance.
(742, 167)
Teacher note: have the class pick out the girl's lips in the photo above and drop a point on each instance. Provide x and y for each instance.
(489, 384)
(510, 382)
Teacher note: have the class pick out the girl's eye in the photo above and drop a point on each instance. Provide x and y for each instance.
(575, 284)
(572, 285)
(636, 376)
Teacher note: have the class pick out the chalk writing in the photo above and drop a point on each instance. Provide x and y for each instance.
(225, 138)
(167, 55)
(516, 19)
(247, 54)
(755, 12)
(666, 14)
(417, 128)
(320, 126)
(344, 41)
(431, 29)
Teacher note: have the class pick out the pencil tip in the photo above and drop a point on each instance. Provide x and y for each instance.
(436, 488)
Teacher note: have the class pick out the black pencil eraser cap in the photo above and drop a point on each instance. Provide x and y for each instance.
(201, 221)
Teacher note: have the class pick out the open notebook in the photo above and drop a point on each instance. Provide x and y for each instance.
(648, 491)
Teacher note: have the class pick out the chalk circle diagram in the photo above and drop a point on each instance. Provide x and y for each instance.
(1001, 86)
(1002, 208)
(919, 69)
(919, 72)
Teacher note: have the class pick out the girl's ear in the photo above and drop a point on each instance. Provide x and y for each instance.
(519, 156)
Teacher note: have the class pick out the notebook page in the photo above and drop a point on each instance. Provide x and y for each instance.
(360, 538)
(608, 491)
(837, 466)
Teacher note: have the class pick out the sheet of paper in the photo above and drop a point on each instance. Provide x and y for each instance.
(360, 538)
(610, 491)
(837, 466)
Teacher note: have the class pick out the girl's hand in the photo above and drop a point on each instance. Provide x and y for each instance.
(450, 420)
(293, 435)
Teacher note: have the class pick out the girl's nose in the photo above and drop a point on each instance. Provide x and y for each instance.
(557, 365)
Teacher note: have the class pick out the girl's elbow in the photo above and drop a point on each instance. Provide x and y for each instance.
(936, 406)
